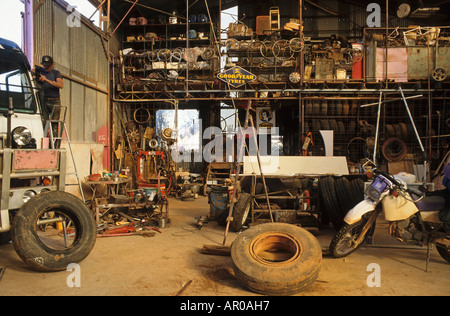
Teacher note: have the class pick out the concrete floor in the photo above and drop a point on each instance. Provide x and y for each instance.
(163, 264)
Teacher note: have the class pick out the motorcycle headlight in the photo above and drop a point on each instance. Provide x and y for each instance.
(21, 136)
(373, 193)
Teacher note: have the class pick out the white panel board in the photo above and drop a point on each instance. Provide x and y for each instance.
(293, 165)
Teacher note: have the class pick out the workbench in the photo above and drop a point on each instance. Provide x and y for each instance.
(112, 186)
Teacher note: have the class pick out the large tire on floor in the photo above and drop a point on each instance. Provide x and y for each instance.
(31, 238)
(276, 258)
(331, 205)
(240, 212)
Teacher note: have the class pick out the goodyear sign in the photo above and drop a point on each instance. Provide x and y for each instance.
(236, 76)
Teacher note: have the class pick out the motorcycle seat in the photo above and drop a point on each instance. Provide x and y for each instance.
(431, 203)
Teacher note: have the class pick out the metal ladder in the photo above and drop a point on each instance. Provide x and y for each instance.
(61, 130)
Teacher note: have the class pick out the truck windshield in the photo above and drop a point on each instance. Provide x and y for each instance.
(15, 84)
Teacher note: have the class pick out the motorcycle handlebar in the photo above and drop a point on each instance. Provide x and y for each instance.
(389, 177)
(419, 193)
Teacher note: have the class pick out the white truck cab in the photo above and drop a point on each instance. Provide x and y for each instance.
(19, 90)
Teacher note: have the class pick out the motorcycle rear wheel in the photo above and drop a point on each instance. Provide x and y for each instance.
(343, 243)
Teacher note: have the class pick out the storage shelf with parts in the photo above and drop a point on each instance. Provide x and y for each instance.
(168, 52)
(157, 36)
(353, 122)
(272, 58)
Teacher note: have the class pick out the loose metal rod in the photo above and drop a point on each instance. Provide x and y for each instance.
(417, 135)
(124, 18)
(378, 128)
(236, 171)
(392, 100)
(260, 169)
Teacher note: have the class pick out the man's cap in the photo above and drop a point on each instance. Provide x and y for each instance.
(47, 61)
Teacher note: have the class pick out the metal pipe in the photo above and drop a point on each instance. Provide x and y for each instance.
(49, 221)
(412, 120)
(187, 48)
(33, 174)
(311, 91)
(123, 18)
(387, 34)
(260, 168)
(28, 38)
(392, 100)
(377, 130)
(157, 10)
(302, 54)
(418, 137)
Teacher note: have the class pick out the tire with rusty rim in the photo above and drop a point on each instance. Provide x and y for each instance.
(276, 258)
(41, 244)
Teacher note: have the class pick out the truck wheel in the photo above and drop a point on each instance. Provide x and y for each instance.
(276, 258)
(240, 212)
(37, 236)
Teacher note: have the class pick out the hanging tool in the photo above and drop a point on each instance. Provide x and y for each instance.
(306, 141)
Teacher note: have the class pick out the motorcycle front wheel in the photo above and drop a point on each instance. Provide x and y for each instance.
(344, 242)
(444, 252)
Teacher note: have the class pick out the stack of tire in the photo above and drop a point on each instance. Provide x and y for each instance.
(338, 196)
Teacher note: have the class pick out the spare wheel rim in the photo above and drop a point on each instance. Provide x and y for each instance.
(275, 248)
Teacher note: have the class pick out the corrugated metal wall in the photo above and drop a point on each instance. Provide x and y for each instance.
(79, 54)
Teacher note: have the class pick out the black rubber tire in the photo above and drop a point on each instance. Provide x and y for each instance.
(357, 190)
(444, 252)
(276, 258)
(5, 238)
(340, 245)
(344, 194)
(240, 212)
(33, 251)
(222, 218)
(330, 201)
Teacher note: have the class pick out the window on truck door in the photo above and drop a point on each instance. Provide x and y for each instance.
(15, 83)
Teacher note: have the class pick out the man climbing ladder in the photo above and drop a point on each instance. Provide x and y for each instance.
(52, 84)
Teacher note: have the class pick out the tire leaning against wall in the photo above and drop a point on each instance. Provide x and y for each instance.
(331, 204)
(241, 212)
(344, 194)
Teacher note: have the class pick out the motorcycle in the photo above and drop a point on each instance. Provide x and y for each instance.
(414, 217)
